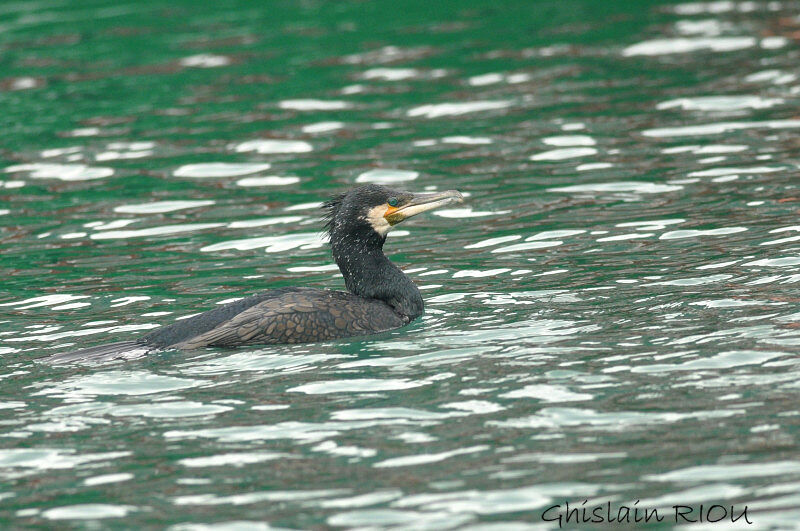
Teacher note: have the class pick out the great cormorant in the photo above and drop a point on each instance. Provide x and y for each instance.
(380, 296)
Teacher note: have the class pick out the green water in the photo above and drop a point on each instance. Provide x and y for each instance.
(612, 316)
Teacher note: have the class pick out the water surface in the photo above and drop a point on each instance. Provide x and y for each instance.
(612, 316)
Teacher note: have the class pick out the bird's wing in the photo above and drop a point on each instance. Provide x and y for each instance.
(299, 317)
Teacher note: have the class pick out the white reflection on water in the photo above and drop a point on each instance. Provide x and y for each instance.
(277, 220)
(422, 459)
(626, 186)
(129, 383)
(694, 233)
(34, 459)
(272, 244)
(115, 224)
(314, 105)
(238, 459)
(494, 78)
(63, 172)
(564, 153)
(108, 478)
(168, 410)
(706, 150)
(160, 207)
(363, 500)
(387, 176)
(493, 241)
(527, 246)
(560, 233)
(356, 385)
(724, 360)
(720, 103)
(775, 262)
(391, 74)
(593, 166)
(569, 140)
(258, 361)
(776, 77)
(269, 180)
(268, 146)
(716, 172)
(220, 169)
(559, 417)
(303, 432)
(256, 497)
(626, 237)
(386, 518)
(456, 109)
(729, 471)
(322, 127)
(547, 393)
(205, 60)
(303, 206)
(494, 501)
(719, 128)
(475, 273)
(165, 230)
(44, 300)
(467, 140)
(687, 45)
(693, 281)
(88, 511)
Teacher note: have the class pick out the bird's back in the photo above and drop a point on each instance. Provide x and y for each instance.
(289, 315)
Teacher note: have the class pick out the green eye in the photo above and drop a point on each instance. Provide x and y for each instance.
(393, 201)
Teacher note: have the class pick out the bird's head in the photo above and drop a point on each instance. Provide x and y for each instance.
(379, 209)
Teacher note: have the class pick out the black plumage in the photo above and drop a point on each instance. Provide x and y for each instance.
(380, 296)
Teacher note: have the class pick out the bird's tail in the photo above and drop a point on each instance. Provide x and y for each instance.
(101, 353)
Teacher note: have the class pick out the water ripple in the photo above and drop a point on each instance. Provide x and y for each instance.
(620, 285)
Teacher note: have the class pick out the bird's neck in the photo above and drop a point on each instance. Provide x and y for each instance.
(370, 274)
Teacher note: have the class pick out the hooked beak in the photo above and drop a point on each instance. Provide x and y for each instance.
(419, 203)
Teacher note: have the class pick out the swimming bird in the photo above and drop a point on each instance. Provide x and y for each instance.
(379, 295)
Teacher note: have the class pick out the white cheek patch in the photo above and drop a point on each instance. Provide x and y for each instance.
(377, 221)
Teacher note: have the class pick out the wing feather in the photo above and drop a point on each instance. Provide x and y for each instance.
(300, 317)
